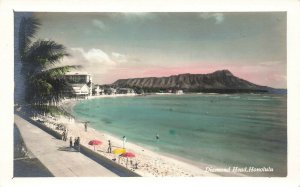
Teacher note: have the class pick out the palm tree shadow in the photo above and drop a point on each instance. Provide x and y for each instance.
(68, 149)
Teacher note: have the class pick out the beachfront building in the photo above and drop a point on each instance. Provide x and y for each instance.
(179, 91)
(79, 84)
(97, 90)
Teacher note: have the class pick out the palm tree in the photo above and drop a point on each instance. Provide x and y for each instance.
(44, 82)
(47, 86)
(27, 31)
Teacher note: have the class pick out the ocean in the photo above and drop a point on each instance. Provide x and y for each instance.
(222, 130)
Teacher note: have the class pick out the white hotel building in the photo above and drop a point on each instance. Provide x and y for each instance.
(80, 84)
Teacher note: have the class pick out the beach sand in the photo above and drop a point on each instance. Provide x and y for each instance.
(150, 163)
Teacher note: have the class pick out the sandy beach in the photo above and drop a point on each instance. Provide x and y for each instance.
(149, 163)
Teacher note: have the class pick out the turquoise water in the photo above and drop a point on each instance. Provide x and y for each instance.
(241, 130)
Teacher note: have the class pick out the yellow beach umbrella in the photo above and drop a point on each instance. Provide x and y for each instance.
(119, 151)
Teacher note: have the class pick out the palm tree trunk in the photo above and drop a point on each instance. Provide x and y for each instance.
(19, 78)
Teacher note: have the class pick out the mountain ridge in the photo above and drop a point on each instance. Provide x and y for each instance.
(220, 81)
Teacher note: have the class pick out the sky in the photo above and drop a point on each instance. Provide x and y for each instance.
(112, 46)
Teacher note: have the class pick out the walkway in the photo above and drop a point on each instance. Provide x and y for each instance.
(55, 154)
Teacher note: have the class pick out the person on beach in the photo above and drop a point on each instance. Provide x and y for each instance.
(131, 163)
(157, 137)
(109, 147)
(85, 126)
(78, 139)
(75, 143)
(136, 165)
(71, 142)
(124, 141)
(66, 134)
(63, 136)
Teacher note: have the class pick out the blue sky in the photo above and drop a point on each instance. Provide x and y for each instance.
(112, 46)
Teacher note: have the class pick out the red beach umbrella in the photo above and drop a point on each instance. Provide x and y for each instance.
(95, 142)
(128, 155)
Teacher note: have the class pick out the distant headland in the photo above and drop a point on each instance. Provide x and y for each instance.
(221, 81)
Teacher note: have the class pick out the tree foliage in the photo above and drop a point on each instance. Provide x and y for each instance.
(44, 82)
(27, 31)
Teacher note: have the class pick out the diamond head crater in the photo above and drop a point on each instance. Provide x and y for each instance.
(221, 81)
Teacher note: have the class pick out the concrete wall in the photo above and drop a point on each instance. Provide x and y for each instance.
(107, 163)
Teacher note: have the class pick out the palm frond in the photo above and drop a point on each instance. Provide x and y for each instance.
(38, 89)
(28, 28)
(45, 52)
(57, 72)
(55, 78)
(42, 85)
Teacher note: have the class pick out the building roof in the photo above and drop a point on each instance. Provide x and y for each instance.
(78, 89)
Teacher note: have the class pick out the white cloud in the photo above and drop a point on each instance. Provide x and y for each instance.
(219, 17)
(124, 58)
(92, 56)
(99, 63)
(99, 24)
(119, 57)
(97, 56)
(94, 61)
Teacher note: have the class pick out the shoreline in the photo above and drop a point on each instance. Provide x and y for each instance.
(151, 163)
